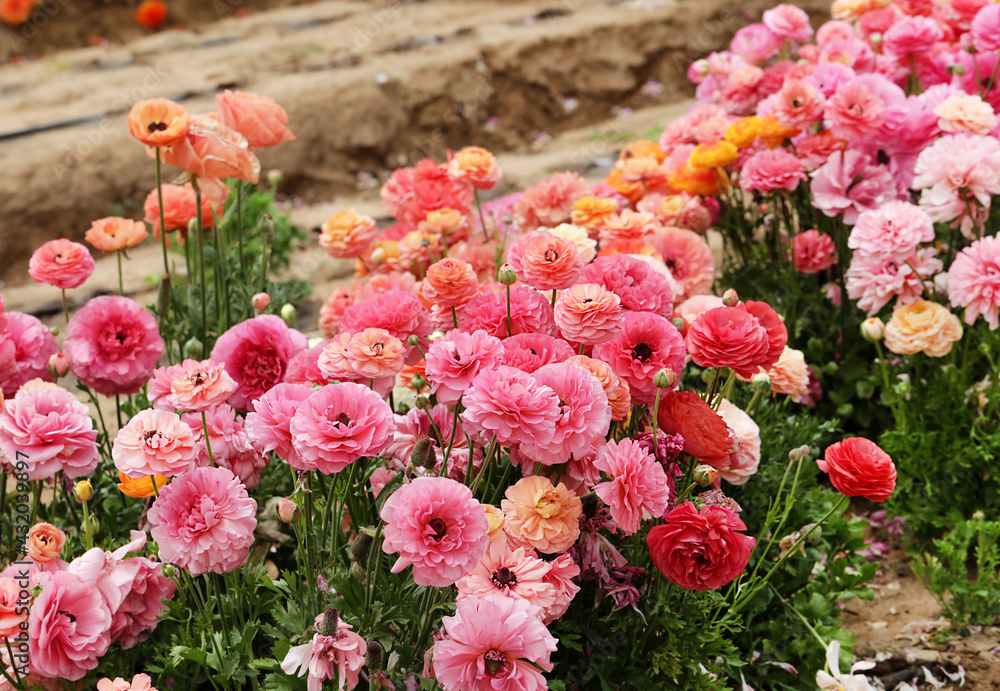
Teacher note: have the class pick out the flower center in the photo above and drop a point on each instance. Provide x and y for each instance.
(504, 578)
(438, 529)
(377, 349)
(642, 352)
(551, 255)
(342, 419)
(496, 662)
(547, 503)
(152, 438)
(157, 126)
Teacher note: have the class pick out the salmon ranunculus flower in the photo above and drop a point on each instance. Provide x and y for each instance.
(476, 166)
(450, 282)
(62, 264)
(589, 313)
(447, 224)
(375, 353)
(258, 118)
(614, 386)
(198, 386)
(45, 542)
(790, 374)
(158, 122)
(714, 155)
(922, 327)
(154, 442)
(212, 150)
(347, 234)
(139, 487)
(113, 234)
(544, 261)
(542, 516)
(179, 210)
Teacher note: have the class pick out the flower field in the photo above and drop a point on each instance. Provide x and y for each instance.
(684, 424)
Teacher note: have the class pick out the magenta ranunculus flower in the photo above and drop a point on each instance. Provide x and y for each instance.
(986, 28)
(270, 420)
(62, 264)
(545, 261)
(530, 312)
(256, 355)
(911, 36)
(771, 170)
(113, 345)
(204, 521)
(974, 281)
(509, 405)
(32, 344)
(69, 627)
(896, 228)
(527, 352)
(638, 286)
(454, 361)
(647, 344)
(638, 484)
(339, 424)
(52, 428)
(584, 415)
(154, 442)
(435, 524)
(497, 644)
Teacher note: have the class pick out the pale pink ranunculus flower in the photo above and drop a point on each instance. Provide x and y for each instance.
(966, 113)
(31, 344)
(638, 286)
(875, 280)
(139, 613)
(258, 118)
(772, 170)
(140, 682)
(454, 361)
(493, 645)
(509, 572)
(339, 424)
(646, 344)
(334, 652)
(689, 259)
(854, 113)
(438, 527)
(955, 173)
(198, 386)
(511, 406)
(562, 571)
(61, 264)
(813, 251)
(109, 573)
(788, 22)
(637, 484)
(548, 203)
(754, 43)
(231, 446)
(333, 361)
(588, 313)
(375, 354)
(268, 423)
(11, 614)
(154, 442)
(52, 428)
(974, 281)
(69, 626)
(545, 261)
(896, 228)
(851, 182)
(204, 521)
(746, 457)
(113, 345)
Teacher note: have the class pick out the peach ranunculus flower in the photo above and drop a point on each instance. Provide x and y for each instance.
(140, 682)
(139, 487)
(580, 237)
(179, 209)
(966, 113)
(589, 313)
(590, 211)
(449, 224)
(212, 150)
(158, 122)
(541, 516)
(476, 166)
(790, 375)
(545, 261)
(347, 234)
(922, 327)
(113, 234)
(375, 353)
(450, 282)
(258, 118)
(619, 396)
(45, 542)
(198, 386)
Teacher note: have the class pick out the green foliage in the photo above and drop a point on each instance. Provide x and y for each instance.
(945, 571)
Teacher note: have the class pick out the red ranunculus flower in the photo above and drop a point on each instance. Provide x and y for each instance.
(859, 468)
(700, 550)
(777, 334)
(728, 337)
(706, 435)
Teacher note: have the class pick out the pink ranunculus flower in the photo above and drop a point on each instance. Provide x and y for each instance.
(334, 652)
(204, 521)
(814, 251)
(256, 355)
(139, 613)
(52, 428)
(258, 118)
(438, 527)
(375, 354)
(548, 203)
(646, 344)
(530, 312)
(545, 261)
(113, 345)
(412, 193)
(32, 344)
(911, 36)
(61, 264)
(746, 458)
(771, 170)
(69, 627)
(303, 368)
(562, 571)
(588, 313)
(333, 362)
(268, 423)
(637, 485)
(529, 352)
(140, 682)
(799, 104)
(109, 573)
(689, 259)
(198, 386)
(874, 280)
(231, 446)
(851, 182)
(511, 406)
(154, 442)
(895, 229)
(399, 312)
(493, 645)
(974, 281)
(986, 28)
(454, 361)
(957, 174)
(638, 286)
(339, 424)
(854, 113)
(509, 572)
(788, 22)
(341, 298)
(755, 43)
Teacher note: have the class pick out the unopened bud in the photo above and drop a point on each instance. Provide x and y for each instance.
(168, 570)
(54, 330)
(422, 403)
(413, 340)
(956, 68)
(266, 227)
(707, 375)
(193, 348)
(903, 387)
(799, 453)
(289, 314)
(377, 256)
(872, 329)
(163, 297)
(506, 275)
(286, 510)
(422, 456)
(375, 656)
(83, 490)
(665, 378)
(328, 624)
(979, 516)
(730, 298)
(679, 323)
(58, 365)
(361, 547)
(831, 368)
(261, 301)
(274, 177)
(761, 381)
(418, 382)
(705, 475)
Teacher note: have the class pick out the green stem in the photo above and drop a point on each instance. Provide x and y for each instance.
(510, 330)
(163, 223)
(201, 261)
(208, 442)
(482, 219)
(87, 530)
(65, 305)
(121, 284)
(156, 491)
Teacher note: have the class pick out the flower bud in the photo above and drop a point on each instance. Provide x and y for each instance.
(163, 297)
(289, 314)
(328, 624)
(707, 375)
(193, 348)
(274, 177)
(377, 256)
(168, 570)
(321, 583)
(956, 68)
(799, 453)
(261, 301)
(360, 549)
(679, 323)
(665, 378)
(761, 381)
(705, 475)
(979, 516)
(375, 656)
(422, 455)
(286, 510)
(730, 298)
(422, 403)
(872, 329)
(83, 490)
(58, 365)
(831, 368)
(903, 388)
(506, 275)
(418, 382)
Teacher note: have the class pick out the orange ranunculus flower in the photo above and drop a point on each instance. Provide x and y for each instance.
(139, 488)
(643, 170)
(212, 150)
(630, 190)
(642, 148)
(629, 247)
(347, 234)
(179, 210)
(45, 542)
(705, 183)
(151, 14)
(159, 122)
(258, 118)
(385, 257)
(714, 155)
(743, 132)
(773, 134)
(476, 166)
(112, 234)
(589, 212)
(16, 12)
